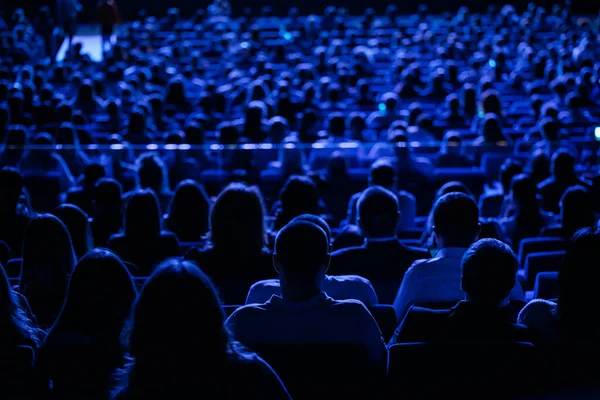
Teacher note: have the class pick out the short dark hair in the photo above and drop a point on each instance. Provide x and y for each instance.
(320, 222)
(456, 219)
(301, 248)
(489, 269)
(382, 173)
(11, 185)
(378, 212)
(563, 164)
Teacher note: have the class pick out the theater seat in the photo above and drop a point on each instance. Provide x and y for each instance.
(546, 286)
(540, 262)
(323, 371)
(474, 370)
(539, 245)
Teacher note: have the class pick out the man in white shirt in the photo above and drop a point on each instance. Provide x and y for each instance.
(340, 287)
(438, 280)
(304, 314)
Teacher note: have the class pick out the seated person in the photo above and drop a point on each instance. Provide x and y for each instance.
(492, 204)
(341, 287)
(451, 154)
(382, 174)
(382, 259)
(438, 280)
(304, 313)
(489, 270)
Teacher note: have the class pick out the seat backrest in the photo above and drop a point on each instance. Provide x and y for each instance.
(385, 316)
(546, 286)
(459, 370)
(539, 245)
(541, 262)
(312, 371)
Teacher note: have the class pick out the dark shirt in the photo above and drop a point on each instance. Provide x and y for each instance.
(383, 263)
(464, 322)
(233, 273)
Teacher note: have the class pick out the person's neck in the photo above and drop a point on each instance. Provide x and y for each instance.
(381, 238)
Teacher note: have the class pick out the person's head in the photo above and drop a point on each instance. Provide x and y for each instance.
(549, 129)
(137, 123)
(11, 186)
(237, 220)
(489, 269)
(452, 187)
(78, 225)
(452, 143)
(320, 222)
(298, 196)
(151, 173)
(538, 166)
(301, 257)
(509, 169)
(523, 193)
(107, 197)
(577, 281)
(469, 99)
(378, 213)
(491, 130)
(337, 167)
(455, 220)
(337, 124)
(178, 304)
(563, 165)
(278, 127)
(99, 298)
(176, 94)
(188, 211)
(93, 172)
(576, 210)
(382, 174)
(453, 104)
(48, 261)
(490, 101)
(16, 328)
(67, 135)
(142, 215)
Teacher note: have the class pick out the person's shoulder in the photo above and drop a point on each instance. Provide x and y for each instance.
(246, 311)
(347, 252)
(546, 183)
(265, 283)
(405, 194)
(344, 279)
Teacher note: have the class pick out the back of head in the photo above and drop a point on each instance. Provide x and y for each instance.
(378, 212)
(48, 256)
(337, 167)
(94, 172)
(456, 219)
(78, 225)
(320, 222)
(142, 215)
(176, 318)
(100, 296)
(563, 165)
(107, 195)
(550, 129)
(337, 124)
(301, 251)
(489, 269)
(492, 129)
(151, 172)
(523, 190)
(578, 279)
(189, 207)
(452, 187)
(299, 196)
(382, 174)
(11, 185)
(509, 169)
(577, 210)
(237, 221)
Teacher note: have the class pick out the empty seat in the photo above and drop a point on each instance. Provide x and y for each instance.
(546, 286)
(461, 370)
(539, 245)
(540, 262)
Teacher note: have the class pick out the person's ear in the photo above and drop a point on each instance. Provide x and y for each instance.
(326, 262)
(275, 263)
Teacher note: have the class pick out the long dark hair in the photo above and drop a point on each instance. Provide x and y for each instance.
(99, 299)
(15, 326)
(78, 224)
(48, 261)
(142, 215)
(527, 211)
(577, 210)
(237, 221)
(188, 212)
(177, 319)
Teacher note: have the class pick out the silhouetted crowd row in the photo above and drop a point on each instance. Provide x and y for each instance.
(306, 207)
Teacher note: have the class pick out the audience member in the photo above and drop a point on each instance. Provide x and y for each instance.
(304, 313)
(382, 259)
(489, 270)
(107, 210)
(576, 212)
(78, 225)
(188, 212)
(83, 348)
(143, 243)
(342, 287)
(48, 261)
(179, 292)
(14, 217)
